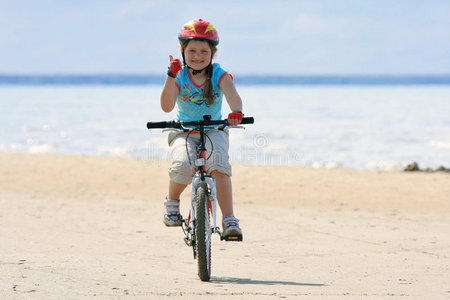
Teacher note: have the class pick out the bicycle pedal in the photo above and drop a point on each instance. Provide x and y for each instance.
(233, 238)
(188, 241)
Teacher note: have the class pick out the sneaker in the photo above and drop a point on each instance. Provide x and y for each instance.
(231, 229)
(173, 220)
(172, 217)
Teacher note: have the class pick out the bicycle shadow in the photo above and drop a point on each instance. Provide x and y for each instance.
(261, 282)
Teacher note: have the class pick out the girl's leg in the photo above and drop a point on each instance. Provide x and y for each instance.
(219, 166)
(231, 229)
(224, 192)
(180, 174)
(175, 190)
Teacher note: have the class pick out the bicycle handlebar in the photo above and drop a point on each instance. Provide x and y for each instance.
(181, 124)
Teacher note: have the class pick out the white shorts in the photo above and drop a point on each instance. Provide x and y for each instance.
(183, 167)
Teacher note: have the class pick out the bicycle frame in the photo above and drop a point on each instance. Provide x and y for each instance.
(212, 201)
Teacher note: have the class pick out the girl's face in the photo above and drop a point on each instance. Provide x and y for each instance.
(197, 54)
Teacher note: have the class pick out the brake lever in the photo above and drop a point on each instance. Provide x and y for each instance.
(237, 127)
(224, 126)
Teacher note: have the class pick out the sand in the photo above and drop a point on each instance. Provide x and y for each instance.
(90, 227)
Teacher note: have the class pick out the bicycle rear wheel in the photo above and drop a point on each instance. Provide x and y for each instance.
(203, 232)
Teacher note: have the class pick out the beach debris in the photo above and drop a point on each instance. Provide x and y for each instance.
(442, 169)
(414, 167)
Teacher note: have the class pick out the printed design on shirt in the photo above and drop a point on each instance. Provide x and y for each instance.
(195, 96)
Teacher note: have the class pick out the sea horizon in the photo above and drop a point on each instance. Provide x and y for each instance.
(241, 79)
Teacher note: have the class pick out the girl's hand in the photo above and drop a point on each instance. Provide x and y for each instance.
(174, 67)
(235, 118)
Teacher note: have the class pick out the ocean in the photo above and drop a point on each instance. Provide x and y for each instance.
(375, 127)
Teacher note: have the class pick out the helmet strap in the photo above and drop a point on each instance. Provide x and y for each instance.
(195, 72)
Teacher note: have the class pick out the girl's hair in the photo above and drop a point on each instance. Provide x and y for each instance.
(207, 89)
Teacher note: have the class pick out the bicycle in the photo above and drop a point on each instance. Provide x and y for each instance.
(198, 227)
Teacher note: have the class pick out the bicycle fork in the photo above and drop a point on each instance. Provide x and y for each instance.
(189, 223)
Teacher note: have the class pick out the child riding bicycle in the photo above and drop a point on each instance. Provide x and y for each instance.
(197, 89)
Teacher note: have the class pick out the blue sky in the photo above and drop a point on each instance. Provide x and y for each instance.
(257, 37)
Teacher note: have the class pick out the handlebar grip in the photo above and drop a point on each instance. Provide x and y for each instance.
(151, 125)
(248, 120)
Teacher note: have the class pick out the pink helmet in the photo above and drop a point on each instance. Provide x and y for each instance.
(199, 29)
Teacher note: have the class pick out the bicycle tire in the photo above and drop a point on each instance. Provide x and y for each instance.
(203, 233)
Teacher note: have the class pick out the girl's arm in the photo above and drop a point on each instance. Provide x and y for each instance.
(169, 94)
(232, 96)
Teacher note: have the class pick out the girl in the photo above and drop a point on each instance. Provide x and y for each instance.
(198, 89)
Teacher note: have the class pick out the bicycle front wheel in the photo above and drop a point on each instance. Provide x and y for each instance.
(203, 232)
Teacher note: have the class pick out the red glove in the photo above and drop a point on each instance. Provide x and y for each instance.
(174, 67)
(235, 116)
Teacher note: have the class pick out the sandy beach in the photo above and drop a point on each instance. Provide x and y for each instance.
(90, 227)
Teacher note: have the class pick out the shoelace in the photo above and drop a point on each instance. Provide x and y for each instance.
(231, 221)
(174, 217)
